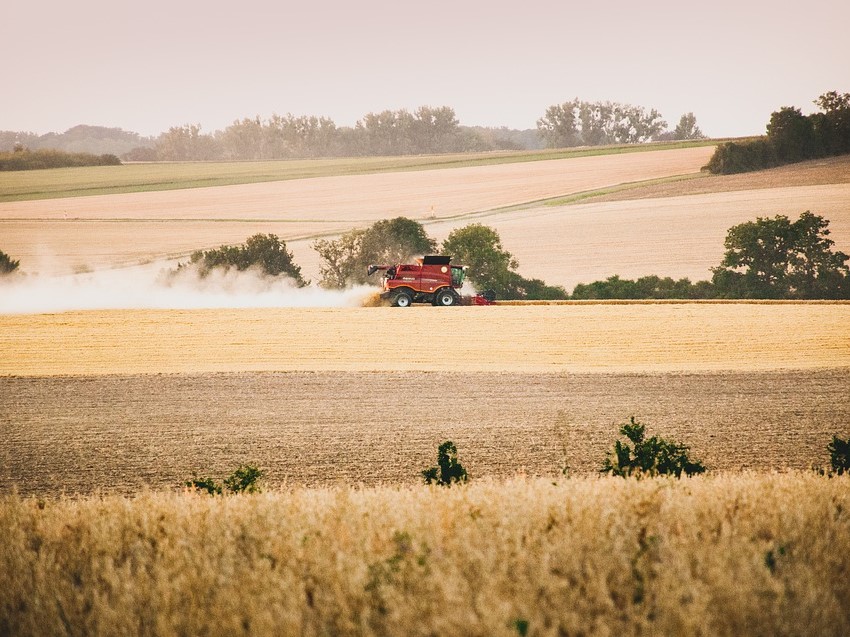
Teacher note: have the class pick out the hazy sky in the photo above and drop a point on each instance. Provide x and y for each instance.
(147, 66)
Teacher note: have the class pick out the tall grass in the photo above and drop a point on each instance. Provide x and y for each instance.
(751, 554)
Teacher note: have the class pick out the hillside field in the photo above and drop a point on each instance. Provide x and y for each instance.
(116, 388)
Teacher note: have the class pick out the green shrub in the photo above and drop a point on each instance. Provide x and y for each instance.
(448, 469)
(243, 480)
(7, 264)
(649, 456)
(264, 251)
(839, 455)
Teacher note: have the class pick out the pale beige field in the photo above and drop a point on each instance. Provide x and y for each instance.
(97, 232)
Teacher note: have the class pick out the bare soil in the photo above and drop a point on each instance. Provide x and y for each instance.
(118, 433)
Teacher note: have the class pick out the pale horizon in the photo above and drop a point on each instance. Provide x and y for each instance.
(169, 64)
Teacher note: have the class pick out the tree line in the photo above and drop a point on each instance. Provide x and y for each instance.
(425, 130)
(769, 258)
(791, 137)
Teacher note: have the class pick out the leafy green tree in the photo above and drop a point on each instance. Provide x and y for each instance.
(559, 126)
(578, 123)
(7, 264)
(480, 248)
(648, 457)
(344, 261)
(491, 267)
(264, 251)
(687, 128)
(791, 135)
(777, 258)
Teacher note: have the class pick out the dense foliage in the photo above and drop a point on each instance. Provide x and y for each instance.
(780, 259)
(23, 159)
(491, 267)
(265, 252)
(7, 263)
(448, 470)
(791, 137)
(344, 261)
(648, 457)
(244, 480)
(647, 287)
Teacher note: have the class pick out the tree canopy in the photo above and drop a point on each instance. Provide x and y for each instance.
(344, 260)
(491, 267)
(780, 259)
(266, 252)
(580, 123)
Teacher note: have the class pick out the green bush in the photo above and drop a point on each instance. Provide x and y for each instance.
(7, 264)
(839, 455)
(23, 159)
(649, 456)
(264, 251)
(448, 469)
(244, 480)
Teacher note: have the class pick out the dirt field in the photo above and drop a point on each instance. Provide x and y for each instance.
(325, 395)
(119, 433)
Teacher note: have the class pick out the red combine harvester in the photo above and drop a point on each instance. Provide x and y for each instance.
(432, 279)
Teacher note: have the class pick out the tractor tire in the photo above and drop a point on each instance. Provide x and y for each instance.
(402, 299)
(446, 298)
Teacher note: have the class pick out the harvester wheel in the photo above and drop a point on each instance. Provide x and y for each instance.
(446, 298)
(402, 299)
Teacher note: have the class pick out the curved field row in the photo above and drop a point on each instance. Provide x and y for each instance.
(574, 338)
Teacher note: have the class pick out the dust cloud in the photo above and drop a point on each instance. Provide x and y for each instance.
(155, 288)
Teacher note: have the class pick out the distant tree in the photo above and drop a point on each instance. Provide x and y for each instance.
(647, 287)
(186, 143)
(777, 258)
(791, 135)
(579, 123)
(480, 248)
(263, 251)
(559, 126)
(340, 259)
(491, 267)
(7, 264)
(344, 260)
(687, 128)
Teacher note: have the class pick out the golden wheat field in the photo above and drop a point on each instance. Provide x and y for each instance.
(751, 554)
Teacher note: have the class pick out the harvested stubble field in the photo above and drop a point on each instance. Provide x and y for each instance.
(119, 399)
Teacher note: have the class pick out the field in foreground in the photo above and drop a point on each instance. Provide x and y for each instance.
(730, 555)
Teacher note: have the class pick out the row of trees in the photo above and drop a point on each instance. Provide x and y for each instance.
(344, 260)
(426, 130)
(769, 258)
(22, 159)
(791, 137)
(580, 123)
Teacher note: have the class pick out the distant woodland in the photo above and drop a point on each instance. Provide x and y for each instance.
(427, 130)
